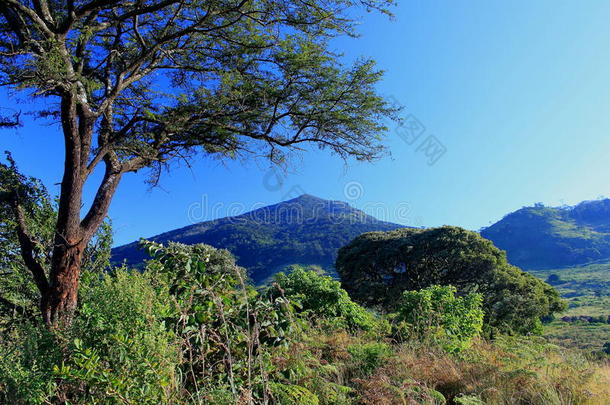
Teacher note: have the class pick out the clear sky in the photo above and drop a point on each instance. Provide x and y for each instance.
(517, 93)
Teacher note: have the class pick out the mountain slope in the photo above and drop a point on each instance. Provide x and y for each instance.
(304, 230)
(542, 237)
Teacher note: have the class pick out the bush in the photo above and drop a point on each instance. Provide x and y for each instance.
(123, 348)
(118, 349)
(228, 331)
(27, 357)
(293, 394)
(376, 268)
(436, 314)
(322, 297)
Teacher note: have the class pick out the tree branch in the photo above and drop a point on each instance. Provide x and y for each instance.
(27, 245)
(31, 14)
(99, 208)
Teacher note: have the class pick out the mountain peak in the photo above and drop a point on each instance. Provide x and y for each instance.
(305, 197)
(312, 199)
(303, 230)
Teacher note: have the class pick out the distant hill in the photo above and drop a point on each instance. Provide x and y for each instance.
(305, 230)
(544, 237)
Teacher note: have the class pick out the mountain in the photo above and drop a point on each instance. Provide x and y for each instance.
(544, 237)
(305, 230)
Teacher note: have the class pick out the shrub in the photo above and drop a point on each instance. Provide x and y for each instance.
(27, 357)
(118, 349)
(369, 356)
(293, 394)
(228, 331)
(436, 314)
(322, 297)
(123, 349)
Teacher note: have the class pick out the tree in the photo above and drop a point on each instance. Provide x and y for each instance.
(376, 268)
(554, 279)
(19, 293)
(141, 83)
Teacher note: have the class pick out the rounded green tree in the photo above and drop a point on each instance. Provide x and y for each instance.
(376, 268)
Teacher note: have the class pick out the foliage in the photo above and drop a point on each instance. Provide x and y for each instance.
(293, 394)
(436, 314)
(369, 356)
(27, 357)
(117, 350)
(137, 338)
(227, 330)
(376, 267)
(468, 400)
(233, 80)
(517, 301)
(321, 297)
(186, 330)
(123, 348)
(18, 287)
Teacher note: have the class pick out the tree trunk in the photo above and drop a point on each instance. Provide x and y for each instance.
(59, 302)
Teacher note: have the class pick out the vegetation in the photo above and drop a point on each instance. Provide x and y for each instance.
(586, 289)
(322, 297)
(436, 314)
(306, 230)
(139, 84)
(20, 288)
(377, 267)
(542, 237)
(189, 330)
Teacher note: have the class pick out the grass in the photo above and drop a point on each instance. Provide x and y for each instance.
(507, 371)
(587, 291)
(583, 335)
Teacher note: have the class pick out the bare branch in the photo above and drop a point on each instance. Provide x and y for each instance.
(99, 208)
(32, 15)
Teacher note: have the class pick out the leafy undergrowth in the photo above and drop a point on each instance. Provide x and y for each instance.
(189, 330)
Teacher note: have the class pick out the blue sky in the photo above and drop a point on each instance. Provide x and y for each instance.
(517, 93)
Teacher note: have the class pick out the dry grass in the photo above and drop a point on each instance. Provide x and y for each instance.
(509, 371)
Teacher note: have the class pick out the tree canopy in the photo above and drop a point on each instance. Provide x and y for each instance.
(376, 268)
(137, 84)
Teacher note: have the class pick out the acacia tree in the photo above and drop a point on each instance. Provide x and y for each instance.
(140, 83)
